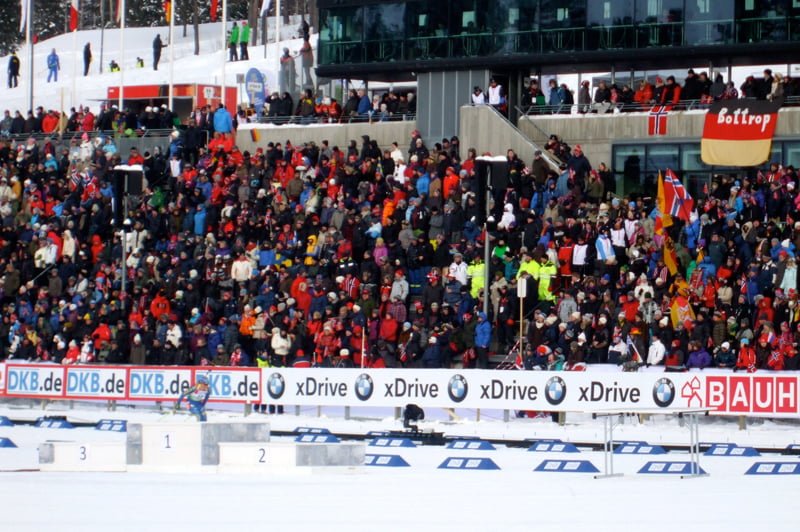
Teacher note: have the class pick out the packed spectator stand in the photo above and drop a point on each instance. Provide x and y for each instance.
(698, 91)
(303, 254)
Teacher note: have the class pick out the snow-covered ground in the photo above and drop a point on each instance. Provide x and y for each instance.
(419, 497)
(73, 89)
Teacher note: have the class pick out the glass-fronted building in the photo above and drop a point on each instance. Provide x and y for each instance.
(373, 39)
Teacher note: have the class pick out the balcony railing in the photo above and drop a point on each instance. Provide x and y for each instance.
(487, 43)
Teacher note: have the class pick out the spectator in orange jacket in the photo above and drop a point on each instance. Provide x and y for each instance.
(672, 92)
(644, 95)
(160, 306)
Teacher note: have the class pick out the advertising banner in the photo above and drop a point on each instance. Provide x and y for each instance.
(739, 132)
(764, 394)
(30, 380)
(234, 385)
(96, 382)
(155, 383)
(255, 88)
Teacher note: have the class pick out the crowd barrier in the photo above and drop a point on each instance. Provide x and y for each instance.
(764, 394)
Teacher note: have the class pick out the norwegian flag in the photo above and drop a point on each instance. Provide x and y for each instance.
(657, 121)
(677, 199)
(74, 181)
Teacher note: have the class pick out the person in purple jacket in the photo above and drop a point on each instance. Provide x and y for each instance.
(700, 358)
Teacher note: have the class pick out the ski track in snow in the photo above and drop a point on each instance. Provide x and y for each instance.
(420, 497)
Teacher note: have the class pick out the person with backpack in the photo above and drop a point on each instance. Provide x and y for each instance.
(53, 66)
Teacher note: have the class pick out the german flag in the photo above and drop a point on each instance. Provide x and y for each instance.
(739, 132)
(670, 256)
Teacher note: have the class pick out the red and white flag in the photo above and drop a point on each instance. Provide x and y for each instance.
(657, 121)
(74, 13)
(678, 202)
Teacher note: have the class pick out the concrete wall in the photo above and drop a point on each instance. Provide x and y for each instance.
(440, 95)
(486, 130)
(336, 134)
(597, 133)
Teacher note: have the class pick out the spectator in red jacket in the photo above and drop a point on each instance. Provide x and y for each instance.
(747, 357)
(160, 306)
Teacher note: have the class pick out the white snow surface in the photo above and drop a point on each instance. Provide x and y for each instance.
(420, 497)
(73, 89)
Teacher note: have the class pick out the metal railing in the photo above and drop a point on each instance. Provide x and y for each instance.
(552, 160)
(308, 120)
(635, 107)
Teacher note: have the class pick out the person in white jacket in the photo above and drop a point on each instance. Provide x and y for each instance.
(656, 352)
(280, 343)
(478, 96)
(241, 269)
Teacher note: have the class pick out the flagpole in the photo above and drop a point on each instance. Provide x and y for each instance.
(30, 53)
(278, 22)
(224, 48)
(74, 65)
(265, 18)
(265, 21)
(171, 52)
(122, 52)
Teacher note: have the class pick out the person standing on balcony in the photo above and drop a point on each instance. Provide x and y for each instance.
(233, 42)
(496, 95)
(478, 97)
(555, 99)
(244, 39)
(288, 74)
(307, 62)
(672, 92)
(584, 97)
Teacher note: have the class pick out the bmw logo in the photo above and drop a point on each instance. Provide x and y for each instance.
(457, 388)
(276, 385)
(555, 390)
(663, 392)
(364, 387)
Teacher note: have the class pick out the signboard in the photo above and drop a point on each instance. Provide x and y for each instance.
(255, 87)
(739, 132)
(765, 394)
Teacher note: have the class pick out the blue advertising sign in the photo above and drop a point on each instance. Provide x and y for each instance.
(255, 87)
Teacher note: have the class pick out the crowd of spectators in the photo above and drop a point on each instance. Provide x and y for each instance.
(109, 119)
(304, 254)
(699, 88)
(390, 106)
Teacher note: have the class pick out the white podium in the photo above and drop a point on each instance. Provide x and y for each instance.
(76, 456)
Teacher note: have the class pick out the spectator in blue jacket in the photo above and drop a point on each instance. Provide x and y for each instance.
(364, 105)
(222, 120)
(483, 336)
(432, 356)
(200, 220)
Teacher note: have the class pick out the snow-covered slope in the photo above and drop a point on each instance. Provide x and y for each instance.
(73, 89)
